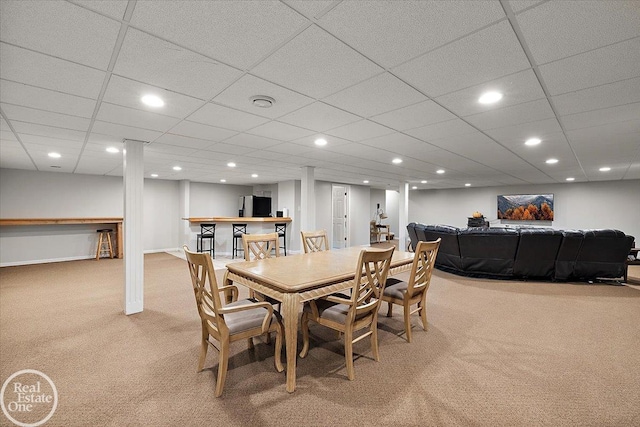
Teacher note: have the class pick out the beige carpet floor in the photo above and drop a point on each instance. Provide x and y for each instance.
(497, 353)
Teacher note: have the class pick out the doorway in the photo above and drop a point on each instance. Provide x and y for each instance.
(339, 216)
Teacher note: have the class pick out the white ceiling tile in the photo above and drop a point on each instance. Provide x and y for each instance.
(239, 93)
(608, 95)
(13, 156)
(309, 141)
(605, 65)
(442, 130)
(24, 129)
(603, 116)
(43, 99)
(148, 59)
(515, 88)
(607, 133)
(361, 130)
(236, 33)
(318, 64)
(128, 93)
(288, 148)
(518, 5)
(319, 117)
(518, 134)
(228, 149)
(280, 131)
(123, 132)
(486, 55)
(227, 118)
(516, 114)
(24, 114)
(131, 117)
(558, 29)
(198, 130)
(112, 8)
(97, 166)
(25, 66)
(60, 29)
(413, 116)
(410, 28)
(310, 9)
(183, 141)
(252, 141)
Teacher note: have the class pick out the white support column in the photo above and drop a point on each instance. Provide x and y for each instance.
(185, 226)
(403, 216)
(133, 235)
(308, 199)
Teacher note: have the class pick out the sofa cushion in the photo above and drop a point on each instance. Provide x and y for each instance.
(488, 250)
(602, 254)
(537, 251)
(448, 257)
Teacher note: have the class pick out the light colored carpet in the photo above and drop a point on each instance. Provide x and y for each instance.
(497, 353)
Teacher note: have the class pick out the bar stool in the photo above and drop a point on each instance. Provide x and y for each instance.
(207, 232)
(238, 231)
(104, 243)
(281, 229)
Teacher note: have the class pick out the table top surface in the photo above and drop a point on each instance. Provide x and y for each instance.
(300, 272)
(238, 219)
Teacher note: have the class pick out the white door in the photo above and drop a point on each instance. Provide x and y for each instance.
(339, 234)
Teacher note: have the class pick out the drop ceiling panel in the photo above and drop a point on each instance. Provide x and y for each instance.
(410, 28)
(518, 134)
(309, 141)
(601, 66)
(198, 130)
(236, 33)
(131, 117)
(318, 65)
(14, 157)
(519, 5)
(123, 132)
(413, 116)
(622, 113)
(97, 165)
(377, 95)
(310, 9)
(486, 55)
(608, 134)
(48, 100)
(229, 149)
(60, 29)
(25, 66)
(112, 8)
(252, 141)
(442, 130)
(24, 129)
(30, 115)
(361, 130)
(183, 141)
(227, 118)
(280, 131)
(148, 59)
(288, 148)
(559, 29)
(239, 93)
(319, 117)
(604, 96)
(516, 114)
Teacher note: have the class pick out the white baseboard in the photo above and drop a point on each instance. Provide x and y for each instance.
(44, 261)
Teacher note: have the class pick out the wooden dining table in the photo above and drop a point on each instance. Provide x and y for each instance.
(295, 279)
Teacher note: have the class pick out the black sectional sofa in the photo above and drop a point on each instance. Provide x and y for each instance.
(527, 253)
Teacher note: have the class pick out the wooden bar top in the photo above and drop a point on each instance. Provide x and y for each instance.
(238, 219)
(44, 221)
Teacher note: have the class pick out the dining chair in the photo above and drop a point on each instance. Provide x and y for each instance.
(374, 232)
(413, 291)
(348, 315)
(314, 241)
(238, 320)
(261, 246)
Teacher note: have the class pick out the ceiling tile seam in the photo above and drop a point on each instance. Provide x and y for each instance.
(141, 110)
(86, 7)
(533, 6)
(596, 86)
(44, 111)
(636, 159)
(588, 51)
(50, 90)
(6, 119)
(124, 26)
(534, 66)
(320, 14)
(611, 123)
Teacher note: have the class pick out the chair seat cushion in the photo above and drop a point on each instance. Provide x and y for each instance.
(331, 310)
(395, 288)
(246, 319)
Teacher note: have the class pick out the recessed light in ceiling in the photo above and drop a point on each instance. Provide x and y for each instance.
(231, 165)
(396, 161)
(152, 101)
(605, 169)
(223, 180)
(532, 141)
(320, 142)
(254, 175)
(440, 171)
(177, 168)
(55, 155)
(154, 175)
(366, 181)
(570, 179)
(424, 181)
(490, 97)
(414, 187)
(112, 150)
(551, 161)
(262, 101)
(467, 185)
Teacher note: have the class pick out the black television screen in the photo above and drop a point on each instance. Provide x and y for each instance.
(526, 207)
(261, 206)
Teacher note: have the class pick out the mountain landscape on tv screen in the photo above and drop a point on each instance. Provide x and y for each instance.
(526, 207)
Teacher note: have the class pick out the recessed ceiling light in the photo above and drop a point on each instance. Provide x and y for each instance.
(55, 155)
(414, 187)
(490, 97)
(231, 165)
(262, 101)
(254, 175)
(467, 185)
(532, 141)
(154, 175)
(112, 150)
(424, 181)
(440, 171)
(551, 161)
(605, 169)
(177, 168)
(396, 161)
(570, 179)
(320, 142)
(366, 181)
(223, 180)
(152, 101)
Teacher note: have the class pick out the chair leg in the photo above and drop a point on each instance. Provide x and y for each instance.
(250, 343)
(204, 346)
(374, 341)
(390, 309)
(222, 367)
(423, 313)
(110, 247)
(348, 353)
(305, 335)
(99, 247)
(407, 320)
(278, 353)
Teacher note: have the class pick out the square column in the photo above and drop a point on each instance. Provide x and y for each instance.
(133, 234)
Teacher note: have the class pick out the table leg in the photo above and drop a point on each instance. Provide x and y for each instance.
(119, 240)
(290, 311)
(228, 296)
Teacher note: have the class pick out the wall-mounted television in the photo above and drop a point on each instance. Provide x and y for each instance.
(526, 207)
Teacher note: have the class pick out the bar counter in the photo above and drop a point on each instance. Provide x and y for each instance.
(237, 219)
